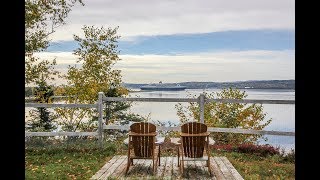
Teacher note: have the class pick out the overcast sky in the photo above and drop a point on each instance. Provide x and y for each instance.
(189, 40)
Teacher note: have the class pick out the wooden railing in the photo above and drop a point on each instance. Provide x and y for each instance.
(35, 105)
(201, 100)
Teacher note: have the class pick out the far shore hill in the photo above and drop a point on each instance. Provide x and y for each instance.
(252, 84)
(255, 84)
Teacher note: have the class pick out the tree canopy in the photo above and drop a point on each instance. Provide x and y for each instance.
(97, 54)
(42, 17)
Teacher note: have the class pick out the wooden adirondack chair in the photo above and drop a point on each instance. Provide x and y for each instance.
(194, 144)
(142, 138)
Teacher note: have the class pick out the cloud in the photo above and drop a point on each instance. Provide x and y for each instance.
(167, 17)
(217, 66)
(211, 66)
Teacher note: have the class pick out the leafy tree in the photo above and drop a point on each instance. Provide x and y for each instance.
(41, 119)
(227, 115)
(97, 54)
(42, 17)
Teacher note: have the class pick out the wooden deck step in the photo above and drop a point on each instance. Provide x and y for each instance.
(168, 169)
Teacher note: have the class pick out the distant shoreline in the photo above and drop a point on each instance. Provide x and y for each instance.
(266, 84)
(218, 88)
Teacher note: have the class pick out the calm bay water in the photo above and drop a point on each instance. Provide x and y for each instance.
(283, 115)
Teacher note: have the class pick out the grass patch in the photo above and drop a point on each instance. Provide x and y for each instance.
(252, 166)
(72, 160)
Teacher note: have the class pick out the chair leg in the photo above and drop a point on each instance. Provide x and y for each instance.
(154, 165)
(209, 167)
(128, 164)
(182, 168)
(159, 155)
(178, 156)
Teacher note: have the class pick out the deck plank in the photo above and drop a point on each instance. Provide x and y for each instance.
(149, 173)
(216, 169)
(161, 168)
(168, 169)
(135, 170)
(114, 166)
(201, 168)
(121, 169)
(175, 168)
(225, 171)
(188, 170)
(206, 173)
(231, 168)
(192, 170)
(105, 167)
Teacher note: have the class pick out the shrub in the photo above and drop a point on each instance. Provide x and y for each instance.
(262, 150)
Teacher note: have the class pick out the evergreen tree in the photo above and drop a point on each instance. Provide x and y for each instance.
(41, 119)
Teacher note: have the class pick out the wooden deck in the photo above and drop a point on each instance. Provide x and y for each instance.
(168, 169)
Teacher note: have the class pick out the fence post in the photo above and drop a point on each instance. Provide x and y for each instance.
(100, 124)
(201, 105)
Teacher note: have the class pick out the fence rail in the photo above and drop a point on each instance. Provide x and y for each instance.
(61, 133)
(61, 105)
(201, 100)
(212, 129)
(257, 101)
(120, 99)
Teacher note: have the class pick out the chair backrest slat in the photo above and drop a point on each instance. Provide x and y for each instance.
(143, 145)
(193, 146)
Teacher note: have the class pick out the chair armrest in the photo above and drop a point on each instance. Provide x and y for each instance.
(195, 135)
